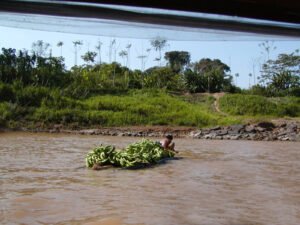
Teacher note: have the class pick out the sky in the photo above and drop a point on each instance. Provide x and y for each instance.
(243, 57)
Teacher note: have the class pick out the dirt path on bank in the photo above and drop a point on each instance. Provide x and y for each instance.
(215, 104)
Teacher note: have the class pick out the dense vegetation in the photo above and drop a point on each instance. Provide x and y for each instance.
(36, 89)
(254, 105)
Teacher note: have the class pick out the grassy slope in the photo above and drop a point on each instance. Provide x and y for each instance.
(137, 108)
(147, 108)
(258, 106)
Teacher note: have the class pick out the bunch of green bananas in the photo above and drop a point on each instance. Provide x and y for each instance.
(142, 152)
(100, 154)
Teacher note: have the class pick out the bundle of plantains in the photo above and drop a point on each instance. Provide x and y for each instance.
(142, 152)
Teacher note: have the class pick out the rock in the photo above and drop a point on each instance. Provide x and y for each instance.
(236, 129)
(210, 136)
(250, 129)
(297, 137)
(251, 136)
(215, 128)
(267, 125)
(293, 137)
(235, 137)
(291, 127)
(222, 132)
(282, 133)
(282, 125)
(245, 136)
(205, 131)
(285, 139)
(260, 129)
(219, 137)
(195, 134)
(207, 136)
(226, 137)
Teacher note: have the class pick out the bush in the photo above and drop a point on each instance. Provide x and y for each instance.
(7, 93)
(31, 95)
(8, 113)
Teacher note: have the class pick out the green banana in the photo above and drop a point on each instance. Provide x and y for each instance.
(144, 151)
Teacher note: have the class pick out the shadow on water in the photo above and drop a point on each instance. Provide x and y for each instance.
(147, 165)
(139, 166)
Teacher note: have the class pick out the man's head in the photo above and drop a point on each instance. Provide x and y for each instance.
(169, 137)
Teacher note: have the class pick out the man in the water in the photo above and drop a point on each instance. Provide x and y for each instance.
(167, 143)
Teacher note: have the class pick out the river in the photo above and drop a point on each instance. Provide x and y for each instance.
(216, 182)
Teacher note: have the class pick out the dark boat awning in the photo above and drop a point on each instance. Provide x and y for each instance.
(174, 20)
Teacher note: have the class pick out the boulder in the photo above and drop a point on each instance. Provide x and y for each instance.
(215, 128)
(236, 129)
(260, 129)
(250, 129)
(267, 125)
(222, 132)
(291, 127)
(235, 137)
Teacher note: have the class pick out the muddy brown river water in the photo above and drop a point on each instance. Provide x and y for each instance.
(216, 182)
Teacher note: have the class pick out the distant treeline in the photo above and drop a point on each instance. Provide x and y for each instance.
(39, 89)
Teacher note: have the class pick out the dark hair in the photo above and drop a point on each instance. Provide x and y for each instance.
(170, 137)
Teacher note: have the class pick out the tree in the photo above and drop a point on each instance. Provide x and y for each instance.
(267, 47)
(144, 58)
(98, 47)
(112, 46)
(282, 73)
(89, 56)
(40, 48)
(208, 75)
(236, 76)
(159, 44)
(177, 59)
(128, 46)
(250, 75)
(60, 44)
(76, 44)
(164, 77)
(123, 54)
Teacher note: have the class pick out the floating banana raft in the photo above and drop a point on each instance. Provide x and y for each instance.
(144, 152)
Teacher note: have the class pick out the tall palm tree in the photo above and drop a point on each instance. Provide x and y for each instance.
(236, 76)
(60, 44)
(76, 43)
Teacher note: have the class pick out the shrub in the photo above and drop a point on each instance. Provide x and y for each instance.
(7, 93)
(31, 95)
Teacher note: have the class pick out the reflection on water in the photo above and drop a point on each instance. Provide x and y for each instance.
(216, 182)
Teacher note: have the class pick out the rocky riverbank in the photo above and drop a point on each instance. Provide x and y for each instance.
(264, 131)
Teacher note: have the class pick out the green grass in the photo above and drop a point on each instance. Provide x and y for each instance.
(137, 108)
(141, 107)
(254, 105)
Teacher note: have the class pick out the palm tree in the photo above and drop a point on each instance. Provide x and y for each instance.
(98, 47)
(123, 54)
(128, 46)
(60, 44)
(40, 47)
(76, 43)
(236, 76)
(250, 75)
(158, 44)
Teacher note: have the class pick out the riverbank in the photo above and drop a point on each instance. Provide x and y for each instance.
(274, 130)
